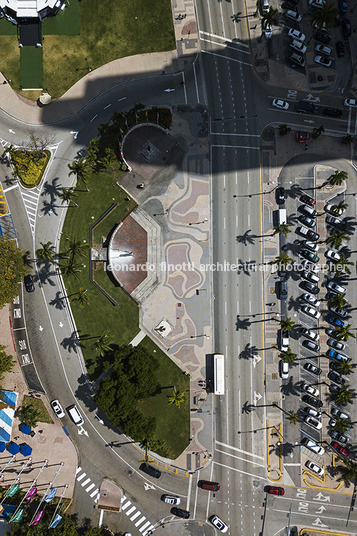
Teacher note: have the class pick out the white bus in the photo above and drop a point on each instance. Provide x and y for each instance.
(218, 374)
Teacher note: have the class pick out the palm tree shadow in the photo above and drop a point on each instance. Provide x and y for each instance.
(45, 273)
(248, 408)
(49, 208)
(242, 323)
(290, 388)
(243, 266)
(248, 352)
(350, 225)
(59, 302)
(294, 304)
(71, 343)
(246, 238)
(296, 191)
(51, 189)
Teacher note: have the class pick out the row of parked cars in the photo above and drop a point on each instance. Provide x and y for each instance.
(310, 303)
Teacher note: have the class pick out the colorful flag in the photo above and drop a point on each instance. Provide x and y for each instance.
(17, 516)
(55, 522)
(51, 495)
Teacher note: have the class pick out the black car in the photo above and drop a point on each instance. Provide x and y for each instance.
(310, 287)
(309, 255)
(334, 388)
(334, 366)
(340, 49)
(280, 195)
(179, 512)
(346, 29)
(322, 37)
(339, 437)
(149, 470)
(310, 367)
(311, 345)
(282, 290)
(334, 377)
(312, 401)
(29, 286)
(306, 220)
(332, 112)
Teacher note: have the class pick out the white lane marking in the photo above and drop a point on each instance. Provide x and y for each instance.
(184, 86)
(262, 465)
(144, 526)
(222, 146)
(137, 514)
(239, 450)
(141, 520)
(78, 470)
(81, 477)
(105, 107)
(85, 482)
(237, 220)
(224, 223)
(123, 98)
(11, 188)
(96, 115)
(96, 492)
(196, 83)
(90, 487)
(126, 505)
(225, 307)
(226, 57)
(222, 38)
(239, 471)
(310, 515)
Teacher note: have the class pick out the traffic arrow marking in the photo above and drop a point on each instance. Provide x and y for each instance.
(257, 397)
(75, 134)
(322, 498)
(308, 121)
(82, 431)
(60, 325)
(40, 328)
(148, 486)
(256, 359)
(318, 523)
(321, 509)
(168, 90)
(311, 98)
(11, 131)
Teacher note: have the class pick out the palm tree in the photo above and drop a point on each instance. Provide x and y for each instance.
(81, 297)
(30, 415)
(282, 229)
(288, 356)
(344, 332)
(348, 471)
(177, 397)
(326, 16)
(71, 269)
(102, 345)
(283, 259)
(46, 252)
(109, 158)
(66, 196)
(337, 178)
(287, 324)
(342, 425)
(347, 140)
(77, 246)
(284, 130)
(346, 367)
(293, 417)
(336, 239)
(341, 206)
(317, 131)
(344, 263)
(270, 17)
(79, 168)
(343, 397)
(337, 300)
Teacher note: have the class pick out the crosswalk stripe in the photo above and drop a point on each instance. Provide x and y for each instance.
(123, 498)
(137, 514)
(85, 482)
(78, 470)
(81, 477)
(90, 487)
(144, 526)
(148, 531)
(131, 510)
(126, 505)
(141, 520)
(94, 492)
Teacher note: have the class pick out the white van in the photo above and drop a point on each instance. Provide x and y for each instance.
(282, 216)
(265, 6)
(75, 415)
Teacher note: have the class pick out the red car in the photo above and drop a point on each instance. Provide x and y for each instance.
(307, 199)
(274, 490)
(340, 449)
(302, 137)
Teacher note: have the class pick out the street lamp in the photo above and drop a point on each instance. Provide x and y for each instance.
(203, 335)
(198, 222)
(161, 213)
(89, 69)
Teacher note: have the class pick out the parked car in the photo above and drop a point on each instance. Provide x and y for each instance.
(312, 246)
(322, 60)
(323, 49)
(317, 4)
(306, 220)
(332, 319)
(293, 15)
(283, 340)
(335, 287)
(278, 103)
(338, 345)
(312, 300)
(332, 112)
(340, 49)
(310, 390)
(333, 354)
(313, 412)
(313, 422)
(317, 469)
(306, 442)
(280, 195)
(282, 290)
(310, 276)
(307, 233)
(342, 5)
(340, 449)
(323, 37)
(313, 335)
(283, 369)
(295, 34)
(310, 287)
(346, 29)
(274, 490)
(150, 470)
(339, 414)
(307, 210)
(267, 29)
(179, 512)
(335, 377)
(335, 334)
(218, 523)
(170, 499)
(308, 199)
(333, 209)
(315, 402)
(340, 312)
(332, 220)
(309, 256)
(310, 345)
(298, 46)
(350, 102)
(57, 408)
(339, 437)
(332, 255)
(310, 367)
(311, 311)
(28, 280)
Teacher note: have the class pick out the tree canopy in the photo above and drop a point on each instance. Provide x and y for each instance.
(132, 378)
(13, 268)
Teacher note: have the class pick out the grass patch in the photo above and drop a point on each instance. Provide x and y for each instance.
(39, 406)
(31, 67)
(172, 423)
(10, 64)
(6, 28)
(66, 22)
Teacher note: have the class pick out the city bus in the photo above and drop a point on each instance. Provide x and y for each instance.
(218, 374)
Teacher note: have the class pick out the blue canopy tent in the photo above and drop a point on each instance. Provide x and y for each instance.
(25, 449)
(25, 429)
(13, 448)
(2, 446)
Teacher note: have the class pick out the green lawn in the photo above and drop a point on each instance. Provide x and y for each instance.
(66, 22)
(108, 30)
(31, 67)
(39, 405)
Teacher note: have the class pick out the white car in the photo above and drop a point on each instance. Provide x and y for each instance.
(313, 412)
(326, 62)
(311, 334)
(319, 4)
(278, 103)
(313, 422)
(312, 446)
(57, 408)
(312, 300)
(323, 49)
(293, 15)
(331, 285)
(310, 276)
(268, 32)
(312, 246)
(299, 46)
(333, 255)
(333, 209)
(351, 102)
(218, 523)
(284, 370)
(171, 499)
(310, 390)
(311, 311)
(315, 468)
(295, 34)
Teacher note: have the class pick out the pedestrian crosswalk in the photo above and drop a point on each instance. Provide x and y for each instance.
(85, 483)
(30, 199)
(141, 523)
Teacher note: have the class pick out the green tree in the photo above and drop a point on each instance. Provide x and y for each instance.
(336, 239)
(82, 297)
(287, 324)
(282, 229)
(347, 140)
(317, 131)
(67, 196)
(46, 252)
(76, 246)
(288, 356)
(177, 397)
(342, 425)
(109, 158)
(348, 471)
(343, 265)
(346, 367)
(102, 345)
(344, 397)
(284, 130)
(270, 17)
(283, 259)
(6, 364)
(337, 178)
(326, 16)
(71, 269)
(93, 152)
(79, 168)
(29, 415)
(337, 300)
(293, 417)
(13, 269)
(344, 332)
